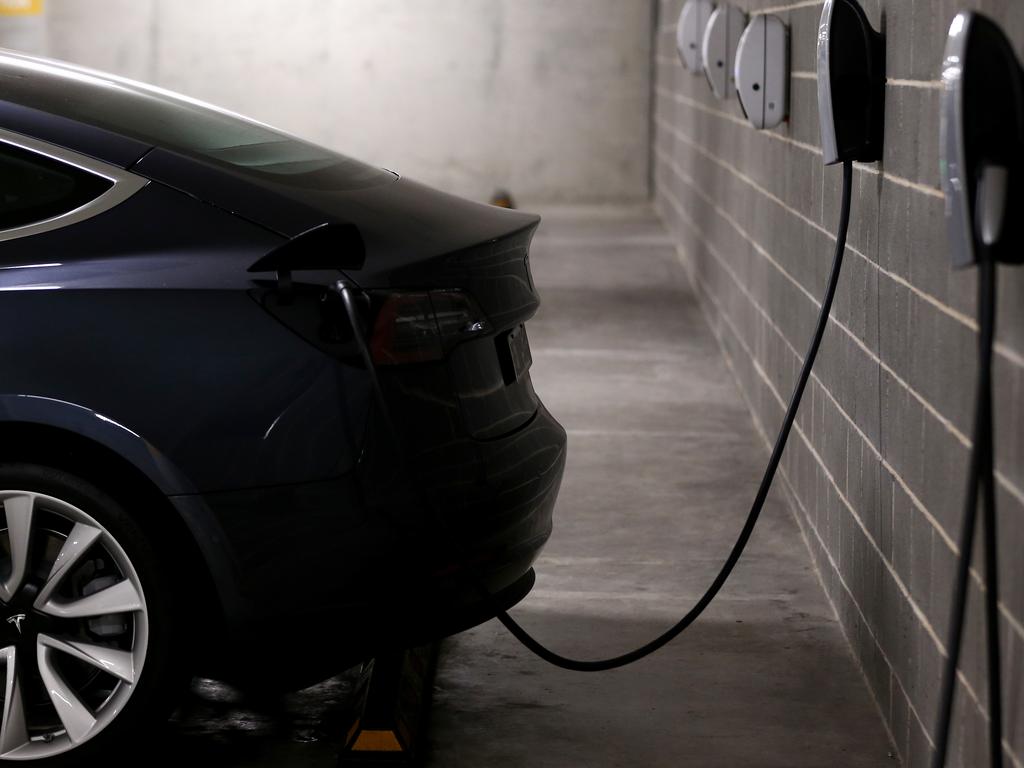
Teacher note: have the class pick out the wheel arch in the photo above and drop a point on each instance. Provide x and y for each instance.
(65, 450)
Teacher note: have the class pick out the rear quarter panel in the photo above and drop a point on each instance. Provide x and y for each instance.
(141, 317)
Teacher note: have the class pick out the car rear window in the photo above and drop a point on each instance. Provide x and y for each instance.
(165, 119)
(35, 188)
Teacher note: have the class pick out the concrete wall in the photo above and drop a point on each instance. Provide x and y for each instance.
(877, 466)
(549, 99)
(23, 25)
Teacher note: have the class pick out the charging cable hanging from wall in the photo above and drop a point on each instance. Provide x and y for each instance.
(855, 53)
(860, 85)
(861, 82)
(982, 168)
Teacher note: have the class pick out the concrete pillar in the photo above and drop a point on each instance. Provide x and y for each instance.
(23, 25)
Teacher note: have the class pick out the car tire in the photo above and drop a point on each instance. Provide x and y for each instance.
(98, 653)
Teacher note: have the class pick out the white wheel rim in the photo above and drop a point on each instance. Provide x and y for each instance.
(50, 627)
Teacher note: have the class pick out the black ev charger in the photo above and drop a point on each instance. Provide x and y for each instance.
(982, 154)
(848, 49)
(851, 67)
(851, 84)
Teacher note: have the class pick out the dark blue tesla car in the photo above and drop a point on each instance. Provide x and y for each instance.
(264, 410)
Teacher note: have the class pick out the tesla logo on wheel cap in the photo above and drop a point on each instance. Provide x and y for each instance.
(16, 620)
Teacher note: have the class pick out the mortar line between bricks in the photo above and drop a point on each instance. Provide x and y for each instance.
(1011, 620)
(917, 186)
(923, 189)
(960, 676)
(1008, 485)
(894, 82)
(900, 82)
(1001, 349)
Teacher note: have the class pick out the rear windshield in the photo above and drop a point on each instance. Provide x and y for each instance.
(175, 122)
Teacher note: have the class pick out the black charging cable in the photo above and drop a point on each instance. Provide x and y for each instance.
(762, 492)
(344, 290)
(980, 480)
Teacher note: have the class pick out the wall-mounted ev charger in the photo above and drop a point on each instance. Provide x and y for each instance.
(982, 140)
(851, 84)
(721, 40)
(762, 71)
(693, 20)
(982, 168)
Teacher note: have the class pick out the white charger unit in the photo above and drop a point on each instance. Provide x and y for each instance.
(721, 40)
(690, 32)
(762, 71)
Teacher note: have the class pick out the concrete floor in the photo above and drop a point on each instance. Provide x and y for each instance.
(663, 464)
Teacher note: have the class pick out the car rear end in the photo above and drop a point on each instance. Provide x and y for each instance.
(471, 461)
(460, 460)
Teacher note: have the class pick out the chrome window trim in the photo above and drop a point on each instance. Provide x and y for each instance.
(125, 185)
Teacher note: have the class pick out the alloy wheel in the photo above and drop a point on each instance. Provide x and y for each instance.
(73, 626)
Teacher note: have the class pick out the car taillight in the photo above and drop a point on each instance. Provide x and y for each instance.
(420, 326)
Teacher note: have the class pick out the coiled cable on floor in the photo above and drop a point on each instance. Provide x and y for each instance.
(980, 479)
(762, 492)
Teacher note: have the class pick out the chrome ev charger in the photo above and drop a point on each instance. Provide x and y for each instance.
(982, 167)
(851, 84)
(982, 142)
(845, 92)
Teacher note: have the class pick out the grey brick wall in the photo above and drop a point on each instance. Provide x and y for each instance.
(876, 469)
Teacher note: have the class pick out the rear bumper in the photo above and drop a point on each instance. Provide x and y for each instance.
(356, 569)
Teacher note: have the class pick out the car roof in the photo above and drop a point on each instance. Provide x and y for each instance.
(27, 106)
(150, 116)
(210, 152)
